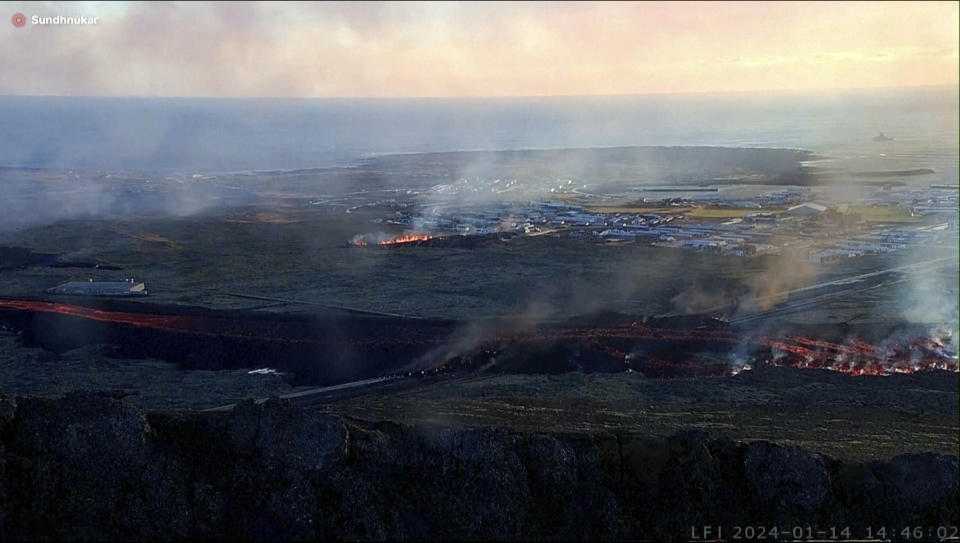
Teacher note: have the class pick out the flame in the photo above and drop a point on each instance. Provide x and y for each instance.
(408, 238)
(857, 357)
(853, 357)
(359, 241)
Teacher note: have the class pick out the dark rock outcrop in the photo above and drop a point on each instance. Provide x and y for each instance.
(90, 466)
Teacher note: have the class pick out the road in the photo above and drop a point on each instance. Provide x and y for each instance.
(322, 394)
(395, 385)
(852, 285)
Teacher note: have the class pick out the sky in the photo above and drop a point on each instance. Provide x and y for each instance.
(432, 49)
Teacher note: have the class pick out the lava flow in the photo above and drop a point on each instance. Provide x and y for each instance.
(310, 350)
(399, 240)
(409, 238)
(360, 346)
(217, 326)
(673, 352)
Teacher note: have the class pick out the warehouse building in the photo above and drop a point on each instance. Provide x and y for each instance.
(808, 209)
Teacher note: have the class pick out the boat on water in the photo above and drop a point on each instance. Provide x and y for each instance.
(882, 137)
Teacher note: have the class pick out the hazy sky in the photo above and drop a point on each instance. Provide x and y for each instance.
(476, 49)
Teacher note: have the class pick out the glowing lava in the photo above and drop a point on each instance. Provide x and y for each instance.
(178, 324)
(408, 238)
(854, 356)
(665, 351)
(360, 241)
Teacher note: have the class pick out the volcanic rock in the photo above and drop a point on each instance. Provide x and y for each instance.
(90, 466)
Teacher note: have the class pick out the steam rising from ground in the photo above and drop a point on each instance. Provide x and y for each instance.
(35, 197)
(933, 298)
(446, 181)
(923, 296)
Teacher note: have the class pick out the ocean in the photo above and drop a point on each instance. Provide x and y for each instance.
(230, 135)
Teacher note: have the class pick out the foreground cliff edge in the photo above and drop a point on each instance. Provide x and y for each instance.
(89, 466)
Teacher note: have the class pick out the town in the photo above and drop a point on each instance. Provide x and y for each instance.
(789, 220)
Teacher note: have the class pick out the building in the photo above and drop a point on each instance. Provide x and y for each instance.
(617, 233)
(808, 209)
(829, 256)
(127, 287)
(704, 245)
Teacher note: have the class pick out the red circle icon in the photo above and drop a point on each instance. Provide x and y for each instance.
(18, 19)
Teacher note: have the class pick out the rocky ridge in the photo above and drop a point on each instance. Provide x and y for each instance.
(90, 466)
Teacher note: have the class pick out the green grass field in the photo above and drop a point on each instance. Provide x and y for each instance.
(884, 214)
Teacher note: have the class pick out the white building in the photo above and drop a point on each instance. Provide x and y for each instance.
(807, 209)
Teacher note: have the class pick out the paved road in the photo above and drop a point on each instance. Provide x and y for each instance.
(318, 395)
(849, 285)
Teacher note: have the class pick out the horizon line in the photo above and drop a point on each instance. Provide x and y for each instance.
(490, 97)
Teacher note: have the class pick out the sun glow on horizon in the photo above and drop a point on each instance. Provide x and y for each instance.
(414, 49)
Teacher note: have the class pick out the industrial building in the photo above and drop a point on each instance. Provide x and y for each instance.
(127, 287)
(807, 209)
